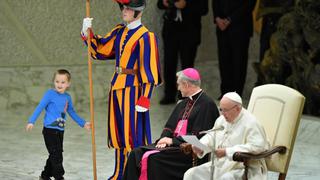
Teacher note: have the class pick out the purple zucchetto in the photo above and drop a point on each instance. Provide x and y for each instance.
(191, 73)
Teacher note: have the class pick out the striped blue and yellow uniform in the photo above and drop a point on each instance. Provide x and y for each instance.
(134, 49)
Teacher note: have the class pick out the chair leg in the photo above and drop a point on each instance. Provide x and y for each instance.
(245, 175)
(194, 160)
(282, 176)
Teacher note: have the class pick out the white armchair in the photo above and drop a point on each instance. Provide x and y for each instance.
(279, 110)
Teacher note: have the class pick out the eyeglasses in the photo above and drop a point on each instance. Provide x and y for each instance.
(227, 110)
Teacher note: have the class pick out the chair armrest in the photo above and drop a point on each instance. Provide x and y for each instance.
(186, 148)
(245, 156)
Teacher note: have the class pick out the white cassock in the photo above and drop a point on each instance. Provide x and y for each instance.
(245, 134)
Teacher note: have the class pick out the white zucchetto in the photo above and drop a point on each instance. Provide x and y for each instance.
(234, 97)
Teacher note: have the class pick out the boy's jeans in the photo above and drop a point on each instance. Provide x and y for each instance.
(54, 143)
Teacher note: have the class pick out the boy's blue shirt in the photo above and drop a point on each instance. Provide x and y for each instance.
(54, 103)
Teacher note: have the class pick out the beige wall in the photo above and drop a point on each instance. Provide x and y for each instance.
(39, 36)
(46, 32)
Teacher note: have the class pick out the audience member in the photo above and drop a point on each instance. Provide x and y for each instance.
(234, 28)
(181, 37)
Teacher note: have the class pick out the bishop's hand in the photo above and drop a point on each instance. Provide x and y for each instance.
(163, 142)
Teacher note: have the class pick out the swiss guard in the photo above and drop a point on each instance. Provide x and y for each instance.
(136, 74)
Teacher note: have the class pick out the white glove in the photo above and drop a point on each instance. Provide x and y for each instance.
(140, 108)
(87, 23)
(143, 104)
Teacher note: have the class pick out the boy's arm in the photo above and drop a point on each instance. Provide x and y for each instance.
(81, 122)
(43, 103)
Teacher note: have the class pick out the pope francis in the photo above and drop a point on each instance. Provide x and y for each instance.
(241, 132)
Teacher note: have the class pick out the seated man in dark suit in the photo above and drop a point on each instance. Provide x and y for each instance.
(164, 159)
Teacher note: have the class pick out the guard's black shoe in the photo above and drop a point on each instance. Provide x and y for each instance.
(166, 101)
(44, 178)
(62, 178)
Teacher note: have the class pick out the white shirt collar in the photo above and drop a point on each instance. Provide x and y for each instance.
(134, 24)
(190, 97)
(179, 16)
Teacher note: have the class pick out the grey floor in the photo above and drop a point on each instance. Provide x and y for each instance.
(22, 154)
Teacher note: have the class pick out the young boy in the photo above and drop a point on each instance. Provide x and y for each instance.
(137, 72)
(57, 103)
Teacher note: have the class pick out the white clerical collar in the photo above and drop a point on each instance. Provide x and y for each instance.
(134, 24)
(190, 97)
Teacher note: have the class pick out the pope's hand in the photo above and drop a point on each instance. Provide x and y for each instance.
(197, 150)
(221, 152)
